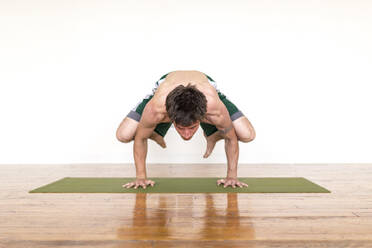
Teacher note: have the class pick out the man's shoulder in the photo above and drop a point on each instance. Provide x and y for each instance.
(216, 110)
(153, 113)
(213, 100)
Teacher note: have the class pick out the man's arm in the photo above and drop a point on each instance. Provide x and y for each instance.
(225, 127)
(231, 149)
(144, 130)
(227, 131)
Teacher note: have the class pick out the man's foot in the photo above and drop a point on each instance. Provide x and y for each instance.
(158, 139)
(211, 142)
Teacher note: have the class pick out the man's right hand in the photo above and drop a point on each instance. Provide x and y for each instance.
(139, 183)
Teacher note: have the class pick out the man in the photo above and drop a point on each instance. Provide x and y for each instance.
(187, 99)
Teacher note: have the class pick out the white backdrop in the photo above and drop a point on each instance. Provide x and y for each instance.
(300, 71)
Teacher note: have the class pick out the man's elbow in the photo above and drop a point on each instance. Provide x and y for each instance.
(139, 139)
(231, 138)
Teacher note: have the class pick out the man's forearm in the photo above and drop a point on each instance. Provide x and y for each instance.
(140, 152)
(232, 154)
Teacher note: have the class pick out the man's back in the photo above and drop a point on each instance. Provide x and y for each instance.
(174, 79)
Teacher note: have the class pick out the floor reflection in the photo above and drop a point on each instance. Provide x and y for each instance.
(186, 217)
(146, 223)
(227, 224)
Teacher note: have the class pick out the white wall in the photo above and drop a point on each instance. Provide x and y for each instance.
(70, 71)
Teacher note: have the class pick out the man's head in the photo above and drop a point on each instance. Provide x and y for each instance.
(186, 106)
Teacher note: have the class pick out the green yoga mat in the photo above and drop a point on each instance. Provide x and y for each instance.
(181, 185)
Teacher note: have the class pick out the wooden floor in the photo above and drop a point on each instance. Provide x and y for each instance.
(340, 219)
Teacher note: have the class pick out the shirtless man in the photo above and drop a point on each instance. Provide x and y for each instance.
(186, 99)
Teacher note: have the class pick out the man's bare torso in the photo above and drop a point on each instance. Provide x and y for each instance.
(174, 79)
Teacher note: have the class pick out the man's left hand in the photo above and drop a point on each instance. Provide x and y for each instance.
(233, 182)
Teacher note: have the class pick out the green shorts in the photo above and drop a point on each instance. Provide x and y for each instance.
(162, 128)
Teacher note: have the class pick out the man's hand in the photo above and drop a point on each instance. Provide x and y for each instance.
(233, 182)
(139, 183)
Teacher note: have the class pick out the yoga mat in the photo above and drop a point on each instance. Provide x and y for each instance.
(181, 185)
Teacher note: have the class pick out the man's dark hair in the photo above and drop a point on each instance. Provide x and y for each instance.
(186, 105)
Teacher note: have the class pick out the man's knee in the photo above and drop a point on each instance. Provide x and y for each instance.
(247, 136)
(244, 129)
(125, 138)
(126, 130)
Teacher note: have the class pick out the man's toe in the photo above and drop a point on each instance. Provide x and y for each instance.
(207, 153)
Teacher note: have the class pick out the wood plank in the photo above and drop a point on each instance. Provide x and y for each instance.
(340, 219)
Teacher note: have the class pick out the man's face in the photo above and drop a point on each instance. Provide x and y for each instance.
(187, 132)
